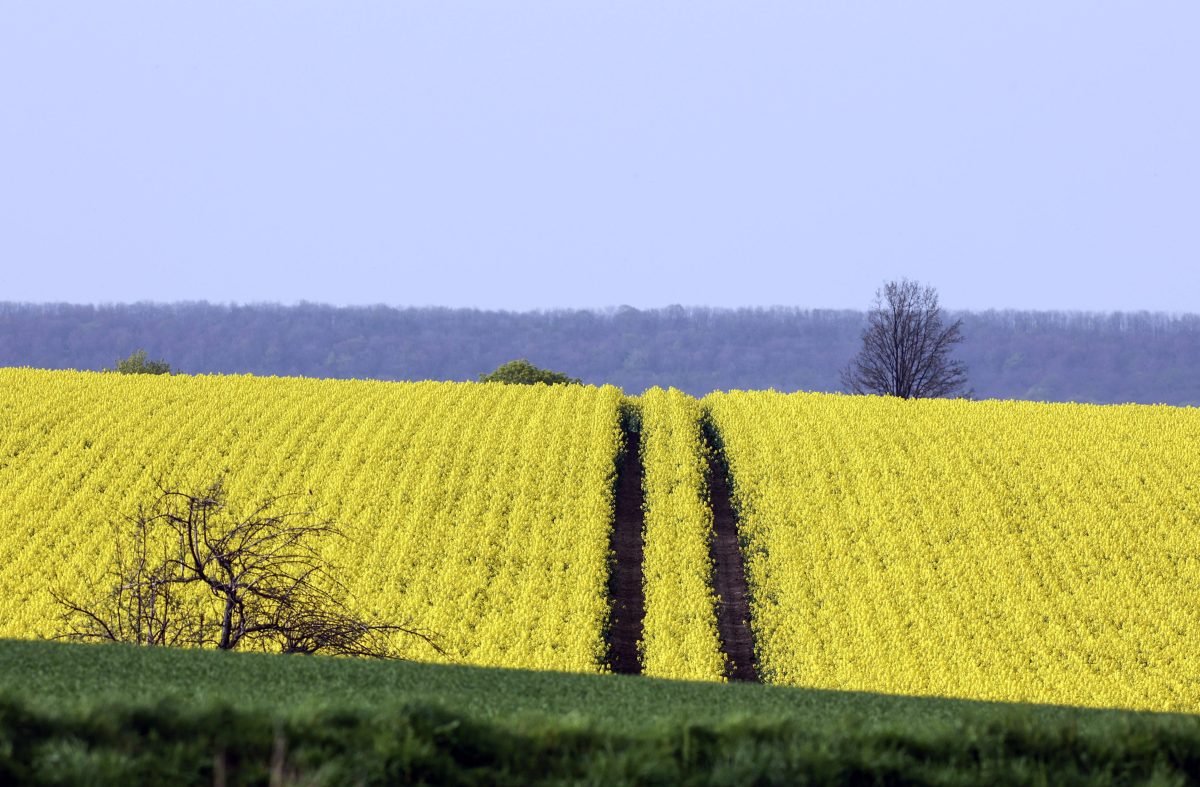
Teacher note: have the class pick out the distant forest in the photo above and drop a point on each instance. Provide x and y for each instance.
(1047, 356)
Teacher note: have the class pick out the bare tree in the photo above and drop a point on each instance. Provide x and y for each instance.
(189, 571)
(906, 348)
(145, 603)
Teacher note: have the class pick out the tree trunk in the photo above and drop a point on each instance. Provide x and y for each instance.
(226, 626)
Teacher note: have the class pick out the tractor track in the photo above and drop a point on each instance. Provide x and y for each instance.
(625, 579)
(729, 575)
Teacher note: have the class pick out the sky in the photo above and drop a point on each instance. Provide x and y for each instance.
(529, 155)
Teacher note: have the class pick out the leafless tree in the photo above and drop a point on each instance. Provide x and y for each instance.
(145, 602)
(189, 571)
(906, 347)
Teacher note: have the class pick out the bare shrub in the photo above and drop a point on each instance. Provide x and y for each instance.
(266, 584)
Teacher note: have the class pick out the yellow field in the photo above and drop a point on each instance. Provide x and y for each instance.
(481, 512)
(995, 550)
(992, 550)
(680, 639)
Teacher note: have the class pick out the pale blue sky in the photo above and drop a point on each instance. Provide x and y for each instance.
(524, 155)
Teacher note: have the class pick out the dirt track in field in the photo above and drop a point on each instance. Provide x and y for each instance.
(625, 582)
(729, 579)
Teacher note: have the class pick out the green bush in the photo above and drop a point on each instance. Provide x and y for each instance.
(138, 363)
(172, 743)
(522, 372)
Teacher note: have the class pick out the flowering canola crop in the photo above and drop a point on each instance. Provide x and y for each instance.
(994, 550)
(680, 629)
(480, 512)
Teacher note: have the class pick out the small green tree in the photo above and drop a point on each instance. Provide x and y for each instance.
(138, 363)
(522, 372)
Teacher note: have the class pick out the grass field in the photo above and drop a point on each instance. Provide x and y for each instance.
(57, 674)
(79, 713)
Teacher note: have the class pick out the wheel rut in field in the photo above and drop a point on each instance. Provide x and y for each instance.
(729, 574)
(625, 580)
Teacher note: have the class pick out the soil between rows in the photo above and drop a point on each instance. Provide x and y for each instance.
(729, 578)
(625, 581)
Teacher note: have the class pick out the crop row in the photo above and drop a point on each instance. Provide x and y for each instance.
(680, 639)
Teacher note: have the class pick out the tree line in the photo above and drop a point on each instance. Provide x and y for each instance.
(1049, 356)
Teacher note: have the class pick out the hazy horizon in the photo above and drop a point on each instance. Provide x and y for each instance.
(1047, 356)
(597, 309)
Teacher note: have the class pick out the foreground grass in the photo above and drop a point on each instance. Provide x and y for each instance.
(97, 714)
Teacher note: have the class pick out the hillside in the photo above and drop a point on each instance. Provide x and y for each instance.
(439, 490)
(993, 550)
(120, 714)
(981, 550)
